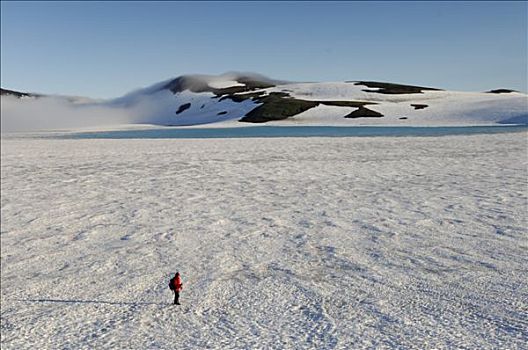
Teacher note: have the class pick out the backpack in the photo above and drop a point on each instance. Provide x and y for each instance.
(171, 284)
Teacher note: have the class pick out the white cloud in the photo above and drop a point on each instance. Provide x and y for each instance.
(30, 114)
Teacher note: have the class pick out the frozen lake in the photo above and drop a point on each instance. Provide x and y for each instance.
(305, 243)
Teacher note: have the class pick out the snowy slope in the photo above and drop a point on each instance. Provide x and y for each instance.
(230, 98)
(210, 102)
(316, 243)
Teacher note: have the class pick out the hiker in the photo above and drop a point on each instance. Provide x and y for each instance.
(176, 286)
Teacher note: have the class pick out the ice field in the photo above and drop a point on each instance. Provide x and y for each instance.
(282, 243)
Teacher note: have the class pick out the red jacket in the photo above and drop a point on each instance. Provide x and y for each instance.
(176, 282)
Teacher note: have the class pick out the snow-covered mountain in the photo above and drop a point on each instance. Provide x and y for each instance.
(249, 98)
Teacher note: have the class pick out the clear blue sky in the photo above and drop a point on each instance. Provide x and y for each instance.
(105, 49)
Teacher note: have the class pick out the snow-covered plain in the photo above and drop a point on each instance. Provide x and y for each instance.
(306, 243)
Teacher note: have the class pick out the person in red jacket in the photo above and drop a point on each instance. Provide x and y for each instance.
(175, 285)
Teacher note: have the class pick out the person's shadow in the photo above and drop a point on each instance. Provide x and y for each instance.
(120, 303)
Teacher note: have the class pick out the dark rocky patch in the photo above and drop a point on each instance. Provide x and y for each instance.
(402, 118)
(389, 88)
(183, 107)
(418, 106)
(355, 104)
(6, 92)
(221, 113)
(280, 105)
(242, 97)
(202, 106)
(277, 106)
(501, 91)
(256, 96)
(279, 94)
(363, 112)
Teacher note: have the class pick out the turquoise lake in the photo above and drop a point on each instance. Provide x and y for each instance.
(292, 131)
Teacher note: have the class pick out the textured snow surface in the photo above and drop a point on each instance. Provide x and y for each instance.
(317, 243)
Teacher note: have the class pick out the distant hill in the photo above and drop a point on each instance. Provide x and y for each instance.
(252, 98)
(4, 92)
